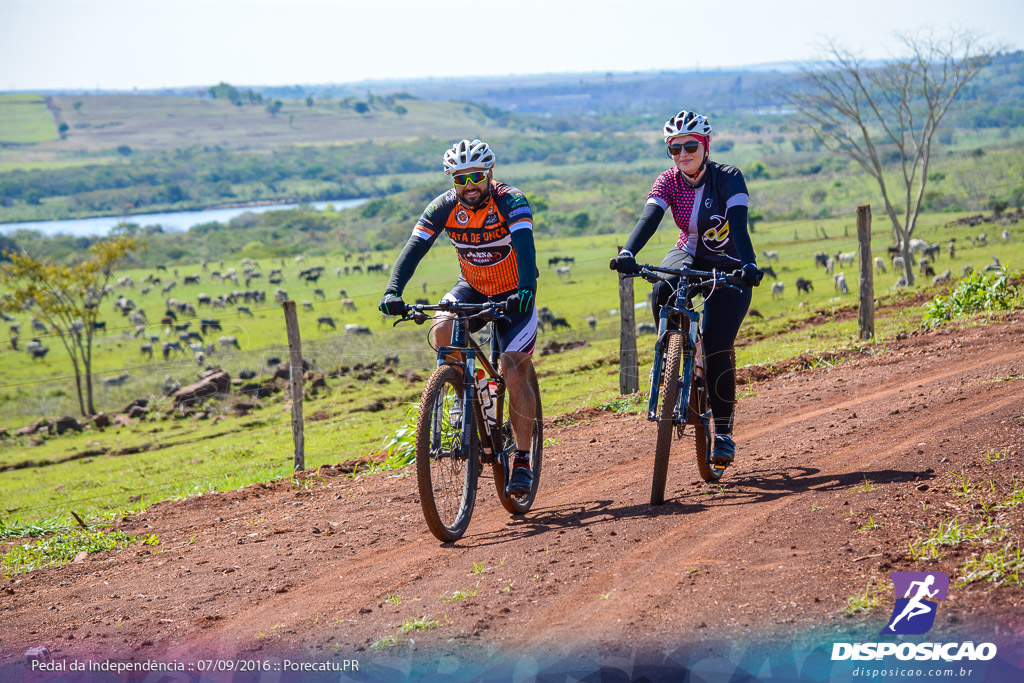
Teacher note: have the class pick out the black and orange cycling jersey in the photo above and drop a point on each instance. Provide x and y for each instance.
(482, 236)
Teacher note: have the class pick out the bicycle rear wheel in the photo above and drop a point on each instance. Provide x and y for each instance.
(704, 427)
(518, 505)
(446, 468)
(669, 393)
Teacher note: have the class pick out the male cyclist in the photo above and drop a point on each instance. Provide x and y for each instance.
(491, 226)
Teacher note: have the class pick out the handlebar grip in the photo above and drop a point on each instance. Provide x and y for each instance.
(611, 264)
(734, 280)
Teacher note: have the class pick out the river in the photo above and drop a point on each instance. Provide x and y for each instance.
(173, 221)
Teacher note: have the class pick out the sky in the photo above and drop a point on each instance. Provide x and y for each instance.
(148, 44)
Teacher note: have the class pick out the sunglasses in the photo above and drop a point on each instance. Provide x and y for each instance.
(476, 178)
(690, 146)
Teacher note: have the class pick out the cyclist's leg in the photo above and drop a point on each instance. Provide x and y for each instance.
(724, 311)
(516, 340)
(676, 258)
(442, 330)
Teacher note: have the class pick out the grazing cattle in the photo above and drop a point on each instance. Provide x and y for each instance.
(564, 270)
(820, 259)
(319, 294)
(804, 285)
(196, 347)
(38, 326)
(931, 251)
(147, 349)
(982, 240)
(203, 299)
(592, 322)
(898, 263)
(357, 329)
(342, 293)
(168, 347)
(557, 322)
(967, 270)
(210, 324)
(768, 270)
(830, 265)
(646, 328)
(771, 255)
(994, 266)
(191, 280)
(192, 336)
(36, 349)
(348, 305)
(1006, 235)
(917, 245)
(244, 310)
(280, 295)
(325, 321)
(246, 374)
(116, 381)
(839, 280)
(307, 305)
(99, 325)
(777, 289)
(846, 258)
(879, 264)
(183, 327)
(951, 248)
(226, 342)
(926, 268)
(200, 357)
(273, 361)
(945, 276)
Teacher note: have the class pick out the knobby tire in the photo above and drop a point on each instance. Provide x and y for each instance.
(446, 469)
(666, 428)
(518, 505)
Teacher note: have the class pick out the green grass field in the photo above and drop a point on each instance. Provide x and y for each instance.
(25, 120)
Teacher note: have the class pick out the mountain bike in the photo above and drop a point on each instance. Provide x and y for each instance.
(462, 423)
(682, 392)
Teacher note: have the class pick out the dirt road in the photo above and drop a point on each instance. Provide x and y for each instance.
(838, 468)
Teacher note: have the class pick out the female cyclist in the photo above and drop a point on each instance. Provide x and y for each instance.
(709, 205)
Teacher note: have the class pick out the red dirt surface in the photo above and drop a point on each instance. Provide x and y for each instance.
(775, 549)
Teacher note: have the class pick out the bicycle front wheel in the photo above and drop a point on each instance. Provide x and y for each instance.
(666, 414)
(446, 466)
(518, 505)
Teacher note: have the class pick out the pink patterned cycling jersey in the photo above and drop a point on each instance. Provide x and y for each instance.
(670, 188)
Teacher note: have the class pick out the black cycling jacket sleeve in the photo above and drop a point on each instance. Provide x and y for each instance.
(413, 252)
(526, 257)
(737, 218)
(649, 221)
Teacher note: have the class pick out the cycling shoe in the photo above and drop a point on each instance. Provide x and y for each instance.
(724, 451)
(521, 481)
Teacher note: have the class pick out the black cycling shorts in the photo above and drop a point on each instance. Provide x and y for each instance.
(520, 334)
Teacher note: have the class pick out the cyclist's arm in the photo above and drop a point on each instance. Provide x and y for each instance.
(413, 252)
(737, 218)
(526, 257)
(645, 228)
(428, 227)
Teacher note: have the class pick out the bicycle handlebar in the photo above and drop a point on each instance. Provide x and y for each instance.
(699, 277)
(488, 311)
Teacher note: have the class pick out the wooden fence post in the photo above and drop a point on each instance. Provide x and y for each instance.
(629, 382)
(291, 321)
(866, 315)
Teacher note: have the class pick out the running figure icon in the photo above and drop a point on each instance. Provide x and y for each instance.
(921, 592)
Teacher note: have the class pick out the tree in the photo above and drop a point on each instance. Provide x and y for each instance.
(309, 101)
(875, 113)
(66, 298)
(361, 108)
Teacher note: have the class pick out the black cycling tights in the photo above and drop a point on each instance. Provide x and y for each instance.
(723, 313)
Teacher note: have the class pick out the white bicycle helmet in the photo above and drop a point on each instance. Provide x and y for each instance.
(687, 123)
(467, 155)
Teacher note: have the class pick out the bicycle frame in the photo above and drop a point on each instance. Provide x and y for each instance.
(682, 296)
(462, 342)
